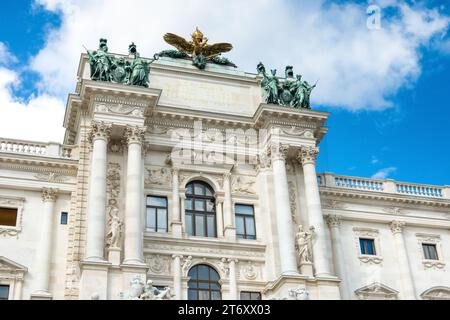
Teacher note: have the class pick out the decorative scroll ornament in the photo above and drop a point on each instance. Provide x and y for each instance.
(307, 154)
(198, 50)
(99, 130)
(140, 291)
(49, 194)
(290, 92)
(134, 134)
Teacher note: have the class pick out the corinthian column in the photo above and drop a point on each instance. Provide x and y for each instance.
(177, 275)
(133, 214)
(96, 210)
(286, 239)
(177, 229)
(44, 246)
(334, 223)
(229, 229)
(322, 262)
(406, 279)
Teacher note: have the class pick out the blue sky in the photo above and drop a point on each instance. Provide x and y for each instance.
(387, 90)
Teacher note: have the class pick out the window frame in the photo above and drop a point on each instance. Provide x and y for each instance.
(197, 281)
(365, 240)
(66, 215)
(9, 291)
(205, 214)
(250, 293)
(245, 236)
(147, 206)
(428, 245)
(17, 203)
(431, 239)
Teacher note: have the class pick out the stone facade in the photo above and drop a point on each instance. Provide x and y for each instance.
(124, 143)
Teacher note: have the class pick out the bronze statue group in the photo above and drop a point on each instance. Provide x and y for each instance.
(291, 92)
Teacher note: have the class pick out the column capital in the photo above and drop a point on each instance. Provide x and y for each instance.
(99, 130)
(397, 226)
(175, 171)
(177, 256)
(264, 160)
(49, 194)
(307, 154)
(278, 151)
(134, 134)
(227, 176)
(333, 221)
(232, 260)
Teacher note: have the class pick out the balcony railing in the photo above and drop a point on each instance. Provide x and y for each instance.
(385, 186)
(53, 150)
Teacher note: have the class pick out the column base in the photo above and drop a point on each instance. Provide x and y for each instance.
(94, 280)
(114, 256)
(177, 229)
(41, 295)
(306, 268)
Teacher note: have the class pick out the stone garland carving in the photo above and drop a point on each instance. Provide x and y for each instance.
(140, 291)
(161, 177)
(292, 200)
(303, 239)
(307, 154)
(245, 185)
(115, 222)
(158, 264)
(51, 177)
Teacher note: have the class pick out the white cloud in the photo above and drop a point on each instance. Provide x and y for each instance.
(6, 57)
(39, 118)
(358, 68)
(384, 173)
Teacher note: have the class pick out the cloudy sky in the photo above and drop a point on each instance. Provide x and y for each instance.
(385, 77)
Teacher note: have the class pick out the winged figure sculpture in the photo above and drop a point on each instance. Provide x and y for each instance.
(198, 49)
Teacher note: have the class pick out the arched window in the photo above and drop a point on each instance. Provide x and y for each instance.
(203, 283)
(200, 210)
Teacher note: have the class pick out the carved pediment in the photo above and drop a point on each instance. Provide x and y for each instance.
(376, 291)
(436, 293)
(9, 266)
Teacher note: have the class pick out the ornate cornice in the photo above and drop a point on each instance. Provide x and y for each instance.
(49, 194)
(397, 226)
(307, 154)
(99, 130)
(135, 135)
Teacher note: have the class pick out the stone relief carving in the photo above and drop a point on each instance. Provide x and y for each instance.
(161, 176)
(249, 271)
(394, 210)
(158, 264)
(200, 250)
(244, 185)
(292, 200)
(116, 146)
(115, 223)
(299, 293)
(333, 204)
(186, 264)
(121, 109)
(113, 180)
(376, 291)
(297, 131)
(303, 239)
(436, 293)
(51, 177)
(224, 266)
(140, 291)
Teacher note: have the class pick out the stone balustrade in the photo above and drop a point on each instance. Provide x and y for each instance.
(33, 148)
(386, 186)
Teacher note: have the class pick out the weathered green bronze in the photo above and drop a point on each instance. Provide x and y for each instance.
(106, 67)
(290, 92)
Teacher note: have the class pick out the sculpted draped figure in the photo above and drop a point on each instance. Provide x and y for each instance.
(290, 92)
(100, 62)
(139, 68)
(303, 241)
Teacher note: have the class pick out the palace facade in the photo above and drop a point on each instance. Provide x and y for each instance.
(199, 186)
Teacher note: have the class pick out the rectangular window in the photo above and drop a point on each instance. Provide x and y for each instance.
(8, 217)
(245, 221)
(248, 295)
(367, 246)
(64, 217)
(157, 214)
(4, 292)
(429, 251)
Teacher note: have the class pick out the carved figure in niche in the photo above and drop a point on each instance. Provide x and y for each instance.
(303, 241)
(115, 225)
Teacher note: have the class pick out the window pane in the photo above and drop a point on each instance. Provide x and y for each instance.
(199, 205)
(203, 285)
(189, 224)
(192, 295)
(199, 189)
(208, 192)
(214, 275)
(189, 189)
(240, 225)
(209, 206)
(215, 295)
(151, 218)
(430, 251)
(157, 201)
(244, 209)
(203, 295)
(211, 228)
(162, 220)
(64, 217)
(8, 217)
(367, 246)
(215, 286)
(255, 296)
(203, 272)
(245, 295)
(199, 226)
(188, 204)
(4, 292)
(250, 226)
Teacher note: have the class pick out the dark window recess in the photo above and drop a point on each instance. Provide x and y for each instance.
(203, 283)
(200, 210)
(429, 251)
(64, 217)
(249, 295)
(4, 292)
(157, 214)
(8, 217)
(367, 246)
(245, 221)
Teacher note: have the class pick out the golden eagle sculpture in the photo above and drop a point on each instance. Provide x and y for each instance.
(198, 49)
